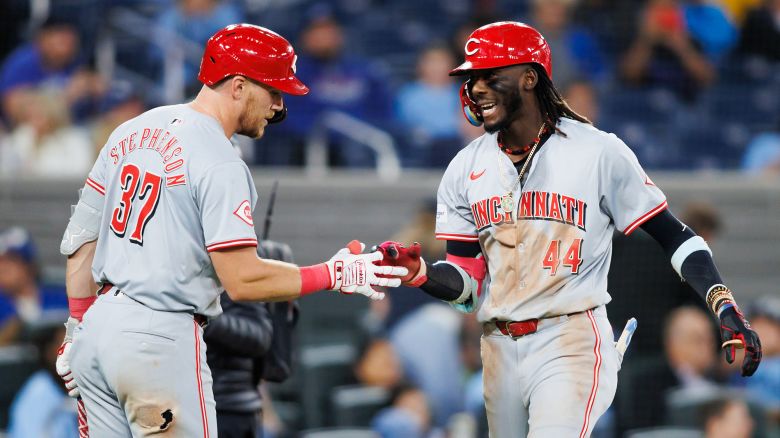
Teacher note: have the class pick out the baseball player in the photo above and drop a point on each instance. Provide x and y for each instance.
(163, 222)
(528, 211)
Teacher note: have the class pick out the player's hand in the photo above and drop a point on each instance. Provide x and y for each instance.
(63, 358)
(736, 333)
(396, 254)
(353, 272)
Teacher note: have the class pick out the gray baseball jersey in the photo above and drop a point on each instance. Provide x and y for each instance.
(175, 189)
(548, 255)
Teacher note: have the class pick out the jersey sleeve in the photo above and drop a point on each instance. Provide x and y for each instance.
(97, 175)
(628, 195)
(454, 220)
(226, 197)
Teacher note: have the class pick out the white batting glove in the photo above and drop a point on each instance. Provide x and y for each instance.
(353, 272)
(63, 358)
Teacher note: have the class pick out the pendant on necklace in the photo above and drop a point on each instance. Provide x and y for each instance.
(508, 203)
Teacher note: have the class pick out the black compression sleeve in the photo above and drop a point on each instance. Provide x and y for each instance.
(698, 269)
(444, 282)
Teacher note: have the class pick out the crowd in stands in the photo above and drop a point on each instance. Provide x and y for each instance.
(687, 84)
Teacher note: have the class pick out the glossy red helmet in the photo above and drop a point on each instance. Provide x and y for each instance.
(503, 44)
(254, 52)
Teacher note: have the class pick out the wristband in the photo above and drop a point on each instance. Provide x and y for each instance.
(717, 295)
(314, 278)
(78, 306)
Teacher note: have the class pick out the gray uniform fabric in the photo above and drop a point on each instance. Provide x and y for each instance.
(547, 256)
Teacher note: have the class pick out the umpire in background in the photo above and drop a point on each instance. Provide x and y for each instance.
(249, 342)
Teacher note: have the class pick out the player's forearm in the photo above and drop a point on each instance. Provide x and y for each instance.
(444, 282)
(262, 280)
(690, 256)
(78, 272)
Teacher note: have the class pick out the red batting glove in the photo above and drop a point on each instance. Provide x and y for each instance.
(396, 254)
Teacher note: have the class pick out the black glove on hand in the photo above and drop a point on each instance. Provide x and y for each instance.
(736, 333)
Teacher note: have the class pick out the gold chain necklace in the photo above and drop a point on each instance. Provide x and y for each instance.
(508, 201)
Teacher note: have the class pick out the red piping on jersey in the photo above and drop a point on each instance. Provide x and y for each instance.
(458, 237)
(596, 368)
(644, 218)
(231, 244)
(92, 183)
(203, 415)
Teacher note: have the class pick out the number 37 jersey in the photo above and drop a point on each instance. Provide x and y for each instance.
(174, 189)
(548, 248)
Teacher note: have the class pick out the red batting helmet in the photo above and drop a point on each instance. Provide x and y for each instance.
(502, 44)
(254, 52)
(497, 45)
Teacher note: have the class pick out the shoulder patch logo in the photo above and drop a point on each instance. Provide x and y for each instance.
(244, 212)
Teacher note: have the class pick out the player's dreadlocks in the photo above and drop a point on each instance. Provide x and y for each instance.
(551, 103)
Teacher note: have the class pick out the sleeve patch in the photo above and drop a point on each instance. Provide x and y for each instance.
(244, 212)
(441, 214)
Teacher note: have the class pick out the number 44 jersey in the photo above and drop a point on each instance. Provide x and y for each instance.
(174, 189)
(548, 246)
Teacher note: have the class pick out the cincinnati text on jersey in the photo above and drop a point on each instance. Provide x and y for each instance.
(534, 205)
(165, 144)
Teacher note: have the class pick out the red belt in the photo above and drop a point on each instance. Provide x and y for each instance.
(516, 329)
(201, 320)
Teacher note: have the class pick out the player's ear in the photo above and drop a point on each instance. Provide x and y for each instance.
(529, 79)
(238, 86)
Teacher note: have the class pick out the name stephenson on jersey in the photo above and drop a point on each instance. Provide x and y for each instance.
(175, 189)
(550, 254)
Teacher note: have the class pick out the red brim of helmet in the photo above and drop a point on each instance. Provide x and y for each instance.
(289, 85)
(462, 69)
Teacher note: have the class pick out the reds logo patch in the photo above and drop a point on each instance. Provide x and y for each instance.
(244, 212)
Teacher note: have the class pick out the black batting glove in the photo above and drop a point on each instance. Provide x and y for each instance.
(736, 333)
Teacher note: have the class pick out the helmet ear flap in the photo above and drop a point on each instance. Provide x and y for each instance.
(470, 109)
(278, 116)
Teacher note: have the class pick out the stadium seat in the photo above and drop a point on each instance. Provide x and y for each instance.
(339, 433)
(356, 405)
(664, 432)
(323, 367)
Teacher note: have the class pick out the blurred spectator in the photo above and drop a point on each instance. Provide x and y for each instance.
(379, 365)
(427, 344)
(710, 28)
(408, 417)
(575, 51)
(738, 9)
(761, 32)
(664, 55)
(338, 82)
(51, 60)
(582, 97)
(726, 418)
(195, 21)
(690, 347)
(41, 408)
(119, 105)
(428, 109)
(764, 385)
(762, 154)
(23, 299)
(45, 144)
(703, 219)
